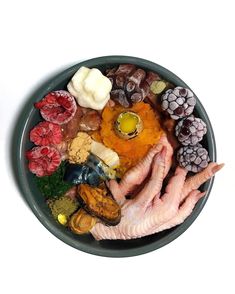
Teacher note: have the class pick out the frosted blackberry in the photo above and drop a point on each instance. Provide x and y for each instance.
(193, 158)
(190, 130)
(178, 102)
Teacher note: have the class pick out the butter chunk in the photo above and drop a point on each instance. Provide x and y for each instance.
(90, 87)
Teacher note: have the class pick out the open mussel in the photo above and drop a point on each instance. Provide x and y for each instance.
(99, 203)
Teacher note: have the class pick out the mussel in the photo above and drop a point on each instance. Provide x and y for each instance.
(99, 203)
(81, 174)
(102, 169)
(92, 172)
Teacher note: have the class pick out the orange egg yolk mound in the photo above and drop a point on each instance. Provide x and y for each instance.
(132, 150)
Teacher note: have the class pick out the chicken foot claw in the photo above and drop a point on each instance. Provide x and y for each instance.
(150, 212)
(197, 180)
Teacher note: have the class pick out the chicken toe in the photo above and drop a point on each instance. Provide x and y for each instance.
(200, 178)
(150, 212)
(153, 187)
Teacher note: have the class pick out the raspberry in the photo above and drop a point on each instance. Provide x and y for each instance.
(43, 160)
(57, 107)
(46, 133)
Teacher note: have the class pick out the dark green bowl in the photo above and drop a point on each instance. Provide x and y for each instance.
(20, 143)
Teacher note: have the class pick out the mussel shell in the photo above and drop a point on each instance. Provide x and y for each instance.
(81, 174)
(92, 172)
(107, 209)
(102, 169)
(95, 164)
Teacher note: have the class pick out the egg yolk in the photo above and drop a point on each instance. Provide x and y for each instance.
(128, 122)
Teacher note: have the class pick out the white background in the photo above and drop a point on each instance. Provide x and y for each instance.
(195, 40)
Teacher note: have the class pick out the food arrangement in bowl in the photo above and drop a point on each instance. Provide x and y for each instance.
(118, 154)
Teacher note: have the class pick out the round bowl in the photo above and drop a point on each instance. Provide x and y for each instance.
(29, 117)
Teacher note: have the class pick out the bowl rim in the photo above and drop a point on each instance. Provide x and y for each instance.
(17, 159)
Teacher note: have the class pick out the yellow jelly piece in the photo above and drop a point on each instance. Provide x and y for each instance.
(128, 122)
(157, 87)
(62, 219)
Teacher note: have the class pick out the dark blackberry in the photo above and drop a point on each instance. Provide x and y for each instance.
(178, 102)
(193, 158)
(190, 130)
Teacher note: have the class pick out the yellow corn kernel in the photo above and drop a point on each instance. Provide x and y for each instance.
(62, 219)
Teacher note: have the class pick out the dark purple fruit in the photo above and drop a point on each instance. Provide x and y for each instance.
(190, 130)
(178, 102)
(193, 158)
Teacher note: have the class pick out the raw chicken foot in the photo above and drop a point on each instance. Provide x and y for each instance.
(150, 212)
(136, 175)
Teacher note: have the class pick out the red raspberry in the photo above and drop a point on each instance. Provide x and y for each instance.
(46, 133)
(58, 107)
(43, 160)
